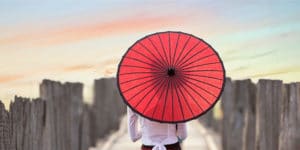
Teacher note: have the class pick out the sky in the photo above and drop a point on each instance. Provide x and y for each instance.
(80, 41)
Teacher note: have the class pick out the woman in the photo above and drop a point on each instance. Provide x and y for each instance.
(155, 135)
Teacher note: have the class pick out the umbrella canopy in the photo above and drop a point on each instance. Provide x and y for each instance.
(170, 77)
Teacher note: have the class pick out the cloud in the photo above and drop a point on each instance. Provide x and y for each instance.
(77, 67)
(9, 78)
(92, 30)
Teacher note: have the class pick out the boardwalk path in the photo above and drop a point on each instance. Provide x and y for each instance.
(199, 138)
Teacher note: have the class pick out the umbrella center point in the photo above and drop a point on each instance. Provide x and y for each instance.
(171, 72)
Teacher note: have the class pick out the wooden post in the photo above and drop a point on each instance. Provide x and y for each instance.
(107, 109)
(270, 95)
(248, 91)
(5, 130)
(290, 118)
(237, 105)
(64, 104)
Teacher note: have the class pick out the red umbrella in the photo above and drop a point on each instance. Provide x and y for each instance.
(171, 77)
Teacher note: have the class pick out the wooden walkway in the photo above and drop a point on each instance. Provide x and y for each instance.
(198, 138)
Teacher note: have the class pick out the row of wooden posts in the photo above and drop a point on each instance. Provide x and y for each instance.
(262, 116)
(59, 119)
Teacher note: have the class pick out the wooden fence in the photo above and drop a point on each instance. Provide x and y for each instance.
(59, 120)
(262, 116)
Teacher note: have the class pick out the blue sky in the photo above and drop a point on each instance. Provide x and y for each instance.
(84, 40)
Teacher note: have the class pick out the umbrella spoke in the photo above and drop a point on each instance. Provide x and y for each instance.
(201, 87)
(196, 75)
(199, 52)
(189, 51)
(172, 64)
(170, 57)
(196, 93)
(181, 84)
(153, 61)
(129, 99)
(155, 108)
(179, 101)
(204, 70)
(131, 66)
(196, 66)
(180, 54)
(162, 45)
(162, 58)
(185, 99)
(166, 98)
(185, 65)
(161, 64)
(128, 73)
(143, 83)
(203, 82)
(157, 67)
(135, 79)
(154, 86)
(158, 89)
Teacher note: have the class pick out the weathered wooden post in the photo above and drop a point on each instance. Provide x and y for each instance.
(5, 130)
(290, 118)
(270, 94)
(64, 104)
(107, 108)
(238, 115)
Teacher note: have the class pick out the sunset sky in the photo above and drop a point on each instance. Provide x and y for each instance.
(84, 40)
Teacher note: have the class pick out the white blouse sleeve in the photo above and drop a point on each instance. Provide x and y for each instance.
(133, 125)
(182, 131)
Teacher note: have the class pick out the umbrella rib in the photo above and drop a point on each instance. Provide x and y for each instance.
(201, 87)
(212, 63)
(185, 65)
(204, 70)
(136, 79)
(196, 91)
(158, 101)
(179, 100)
(162, 45)
(170, 57)
(189, 51)
(200, 51)
(140, 91)
(167, 91)
(172, 64)
(158, 65)
(144, 62)
(202, 76)
(180, 54)
(154, 86)
(162, 58)
(190, 95)
(131, 66)
(186, 99)
(161, 64)
(162, 84)
(172, 99)
(143, 83)
(128, 73)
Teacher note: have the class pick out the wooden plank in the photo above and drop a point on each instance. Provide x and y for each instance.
(289, 121)
(270, 95)
(5, 130)
(249, 96)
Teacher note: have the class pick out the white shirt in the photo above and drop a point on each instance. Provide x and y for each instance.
(154, 133)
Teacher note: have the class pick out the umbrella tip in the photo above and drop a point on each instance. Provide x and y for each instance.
(171, 72)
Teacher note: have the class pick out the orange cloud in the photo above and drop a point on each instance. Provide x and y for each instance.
(76, 33)
(77, 67)
(8, 78)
